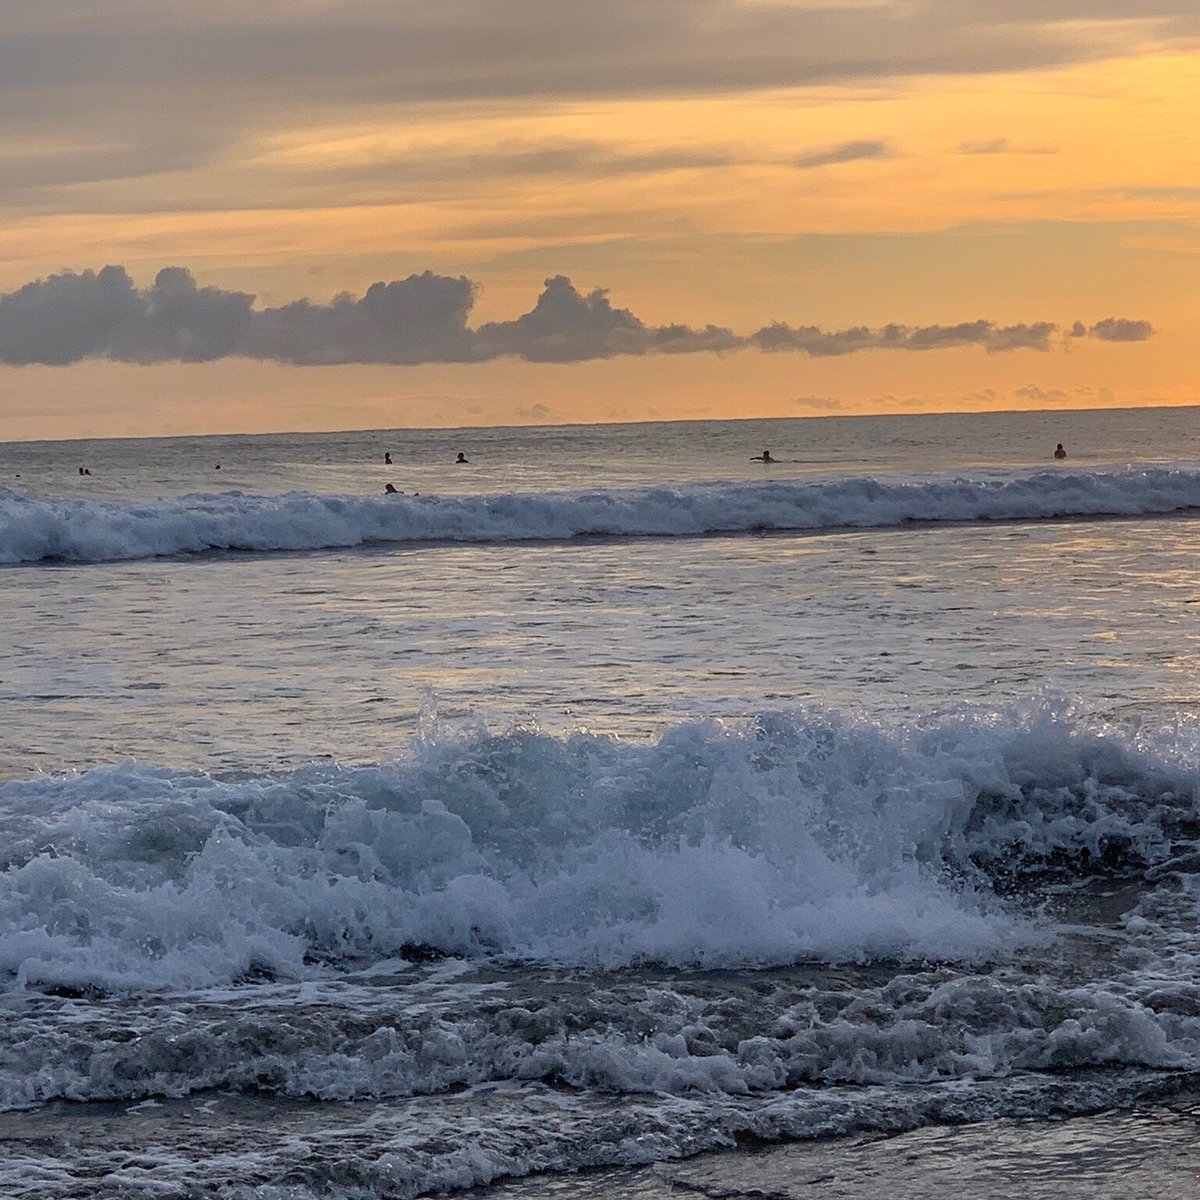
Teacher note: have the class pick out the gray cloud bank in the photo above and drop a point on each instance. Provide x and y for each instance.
(846, 152)
(1113, 329)
(110, 89)
(381, 51)
(69, 317)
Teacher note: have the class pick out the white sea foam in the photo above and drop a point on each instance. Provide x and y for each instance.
(234, 941)
(791, 837)
(253, 1149)
(635, 1034)
(32, 530)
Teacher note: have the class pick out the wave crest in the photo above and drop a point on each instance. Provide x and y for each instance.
(794, 836)
(35, 530)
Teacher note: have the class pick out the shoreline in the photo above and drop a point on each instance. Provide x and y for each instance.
(1150, 1150)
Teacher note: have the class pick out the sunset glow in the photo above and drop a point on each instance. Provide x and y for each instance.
(771, 167)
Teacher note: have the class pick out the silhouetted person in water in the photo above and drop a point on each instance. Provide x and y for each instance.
(81, 470)
(765, 456)
(217, 467)
(1059, 452)
(387, 458)
(462, 458)
(390, 488)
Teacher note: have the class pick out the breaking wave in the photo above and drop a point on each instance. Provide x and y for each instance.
(496, 935)
(793, 837)
(35, 530)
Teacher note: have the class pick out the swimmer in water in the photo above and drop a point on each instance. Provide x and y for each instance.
(462, 458)
(1059, 452)
(391, 490)
(764, 457)
(387, 458)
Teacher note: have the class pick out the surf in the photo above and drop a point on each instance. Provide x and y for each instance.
(805, 836)
(36, 530)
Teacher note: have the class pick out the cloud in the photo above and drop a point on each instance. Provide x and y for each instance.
(1121, 329)
(1031, 391)
(135, 74)
(819, 403)
(1019, 337)
(565, 326)
(568, 326)
(1167, 194)
(476, 49)
(1002, 145)
(66, 318)
(1085, 392)
(419, 319)
(579, 158)
(419, 173)
(100, 314)
(995, 146)
(1113, 329)
(810, 339)
(845, 152)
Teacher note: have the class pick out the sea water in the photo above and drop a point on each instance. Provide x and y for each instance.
(607, 799)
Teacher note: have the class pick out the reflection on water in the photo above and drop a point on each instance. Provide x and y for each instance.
(252, 662)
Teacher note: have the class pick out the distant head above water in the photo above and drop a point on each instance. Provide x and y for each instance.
(1059, 452)
(462, 458)
(765, 457)
(390, 488)
(387, 458)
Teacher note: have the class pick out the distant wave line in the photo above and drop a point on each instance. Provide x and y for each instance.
(36, 530)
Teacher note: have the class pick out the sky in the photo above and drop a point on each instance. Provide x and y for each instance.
(256, 215)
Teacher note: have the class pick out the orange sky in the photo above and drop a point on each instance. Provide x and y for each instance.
(889, 165)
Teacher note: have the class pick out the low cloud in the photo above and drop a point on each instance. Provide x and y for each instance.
(419, 319)
(843, 153)
(1120, 329)
(1082, 392)
(100, 314)
(820, 343)
(994, 146)
(536, 412)
(69, 317)
(1001, 145)
(1031, 391)
(1113, 329)
(566, 325)
(1168, 194)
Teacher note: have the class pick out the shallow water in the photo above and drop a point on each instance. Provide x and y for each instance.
(1150, 1151)
(248, 661)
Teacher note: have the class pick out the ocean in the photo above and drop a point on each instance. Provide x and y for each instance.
(611, 814)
